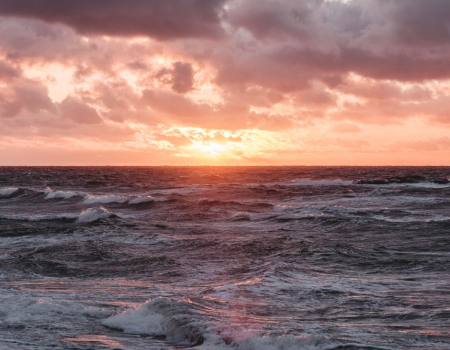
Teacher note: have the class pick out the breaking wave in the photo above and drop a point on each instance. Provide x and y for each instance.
(182, 325)
(7, 191)
(179, 323)
(49, 194)
(133, 199)
(94, 214)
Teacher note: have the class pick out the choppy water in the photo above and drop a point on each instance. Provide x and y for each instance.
(278, 258)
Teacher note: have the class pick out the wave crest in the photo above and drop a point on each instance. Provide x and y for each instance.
(94, 214)
(162, 317)
(7, 191)
(59, 194)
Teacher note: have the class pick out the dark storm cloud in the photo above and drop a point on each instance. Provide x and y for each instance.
(163, 20)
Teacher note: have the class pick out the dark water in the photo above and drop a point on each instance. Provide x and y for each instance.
(278, 258)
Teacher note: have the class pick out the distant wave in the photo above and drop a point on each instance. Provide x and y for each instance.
(132, 199)
(59, 194)
(89, 215)
(7, 191)
(94, 214)
(40, 217)
(309, 182)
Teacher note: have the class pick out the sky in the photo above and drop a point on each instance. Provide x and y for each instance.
(225, 82)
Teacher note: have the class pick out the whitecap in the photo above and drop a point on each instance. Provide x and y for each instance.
(7, 191)
(59, 194)
(105, 199)
(162, 317)
(93, 214)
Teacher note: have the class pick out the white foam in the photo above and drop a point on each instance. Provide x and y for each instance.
(140, 321)
(176, 320)
(59, 194)
(17, 311)
(93, 214)
(7, 191)
(6, 257)
(133, 199)
(105, 199)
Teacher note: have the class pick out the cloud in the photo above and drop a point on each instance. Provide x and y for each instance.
(162, 20)
(24, 95)
(128, 71)
(79, 112)
(182, 77)
(8, 72)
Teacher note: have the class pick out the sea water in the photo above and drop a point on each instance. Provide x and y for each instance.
(245, 258)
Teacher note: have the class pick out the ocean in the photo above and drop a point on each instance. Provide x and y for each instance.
(244, 258)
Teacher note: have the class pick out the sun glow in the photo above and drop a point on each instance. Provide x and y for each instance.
(209, 148)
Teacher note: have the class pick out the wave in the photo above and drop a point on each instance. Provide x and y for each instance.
(87, 216)
(184, 326)
(40, 217)
(105, 199)
(435, 218)
(177, 321)
(59, 194)
(309, 182)
(94, 214)
(389, 184)
(234, 203)
(21, 311)
(178, 191)
(7, 191)
(133, 199)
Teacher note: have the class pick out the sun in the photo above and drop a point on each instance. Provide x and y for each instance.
(209, 148)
